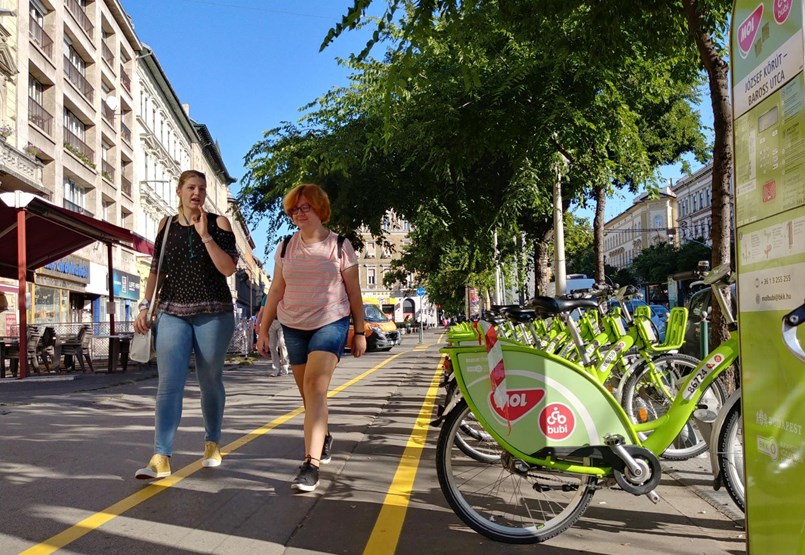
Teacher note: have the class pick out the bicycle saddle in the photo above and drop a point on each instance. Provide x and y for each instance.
(553, 305)
(522, 315)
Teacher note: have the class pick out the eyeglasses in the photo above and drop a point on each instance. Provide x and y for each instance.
(304, 209)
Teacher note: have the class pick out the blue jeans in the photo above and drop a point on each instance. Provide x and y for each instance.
(208, 335)
(331, 338)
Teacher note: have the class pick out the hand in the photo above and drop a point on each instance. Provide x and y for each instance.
(358, 345)
(142, 323)
(262, 345)
(200, 223)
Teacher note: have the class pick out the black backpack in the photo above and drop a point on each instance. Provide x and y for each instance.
(287, 240)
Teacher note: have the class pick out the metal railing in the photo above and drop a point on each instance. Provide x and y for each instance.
(69, 205)
(125, 132)
(125, 186)
(124, 78)
(107, 170)
(80, 16)
(39, 116)
(108, 55)
(241, 343)
(74, 141)
(75, 77)
(40, 38)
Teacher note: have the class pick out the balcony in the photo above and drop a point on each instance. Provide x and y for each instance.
(39, 116)
(76, 208)
(78, 147)
(107, 171)
(125, 79)
(108, 114)
(125, 132)
(40, 38)
(125, 186)
(108, 55)
(21, 171)
(80, 82)
(80, 16)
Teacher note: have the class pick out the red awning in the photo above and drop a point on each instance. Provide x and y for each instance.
(52, 232)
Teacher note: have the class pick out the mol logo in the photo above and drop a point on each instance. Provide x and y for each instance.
(520, 403)
(557, 421)
(748, 30)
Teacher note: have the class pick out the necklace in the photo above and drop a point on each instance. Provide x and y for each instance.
(191, 230)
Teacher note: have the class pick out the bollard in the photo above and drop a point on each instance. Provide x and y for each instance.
(704, 338)
(420, 331)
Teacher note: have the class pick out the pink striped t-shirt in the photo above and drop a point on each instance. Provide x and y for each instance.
(314, 289)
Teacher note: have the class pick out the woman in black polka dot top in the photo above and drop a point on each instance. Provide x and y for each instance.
(195, 314)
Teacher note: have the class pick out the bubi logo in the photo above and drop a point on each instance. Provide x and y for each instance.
(748, 30)
(557, 421)
(782, 9)
(520, 403)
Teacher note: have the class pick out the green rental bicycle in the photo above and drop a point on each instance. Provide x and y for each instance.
(560, 435)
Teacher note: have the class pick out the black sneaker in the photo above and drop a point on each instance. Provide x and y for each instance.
(307, 479)
(326, 450)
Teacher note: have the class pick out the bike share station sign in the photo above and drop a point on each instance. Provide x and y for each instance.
(769, 136)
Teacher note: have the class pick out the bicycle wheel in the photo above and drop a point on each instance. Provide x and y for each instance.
(730, 455)
(475, 442)
(650, 391)
(507, 500)
(471, 437)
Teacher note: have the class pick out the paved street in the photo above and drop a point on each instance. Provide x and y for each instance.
(70, 449)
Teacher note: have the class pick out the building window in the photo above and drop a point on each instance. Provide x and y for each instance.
(74, 125)
(74, 196)
(371, 277)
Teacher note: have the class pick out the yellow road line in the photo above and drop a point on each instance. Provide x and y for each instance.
(97, 520)
(388, 526)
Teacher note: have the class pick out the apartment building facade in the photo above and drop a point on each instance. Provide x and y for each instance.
(401, 301)
(647, 222)
(90, 122)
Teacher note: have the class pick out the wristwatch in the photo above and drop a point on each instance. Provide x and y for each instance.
(359, 333)
(145, 304)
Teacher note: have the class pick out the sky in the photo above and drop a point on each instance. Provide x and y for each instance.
(246, 66)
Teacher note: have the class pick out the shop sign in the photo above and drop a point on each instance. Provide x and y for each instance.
(126, 286)
(70, 267)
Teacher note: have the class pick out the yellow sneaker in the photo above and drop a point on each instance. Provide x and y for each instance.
(212, 454)
(158, 467)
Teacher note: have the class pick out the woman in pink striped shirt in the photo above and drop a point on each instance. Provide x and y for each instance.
(314, 291)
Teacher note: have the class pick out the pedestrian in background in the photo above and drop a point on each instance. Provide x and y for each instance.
(315, 289)
(194, 314)
(279, 352)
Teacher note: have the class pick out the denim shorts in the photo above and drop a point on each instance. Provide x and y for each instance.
(331, 338)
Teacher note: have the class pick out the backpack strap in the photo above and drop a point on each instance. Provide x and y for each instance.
(285, 245)
(341, 239)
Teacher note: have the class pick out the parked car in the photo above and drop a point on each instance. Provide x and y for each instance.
(381, 333)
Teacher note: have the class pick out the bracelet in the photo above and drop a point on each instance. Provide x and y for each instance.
(206, 239)
(144, 304)
(359, 333)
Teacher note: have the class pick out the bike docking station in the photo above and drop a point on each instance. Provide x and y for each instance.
(767, 56)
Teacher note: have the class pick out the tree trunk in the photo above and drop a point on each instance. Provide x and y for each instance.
(541, 258)
(598, 234)
(716, 68)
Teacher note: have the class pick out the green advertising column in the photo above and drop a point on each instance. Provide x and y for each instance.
(769, 126)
